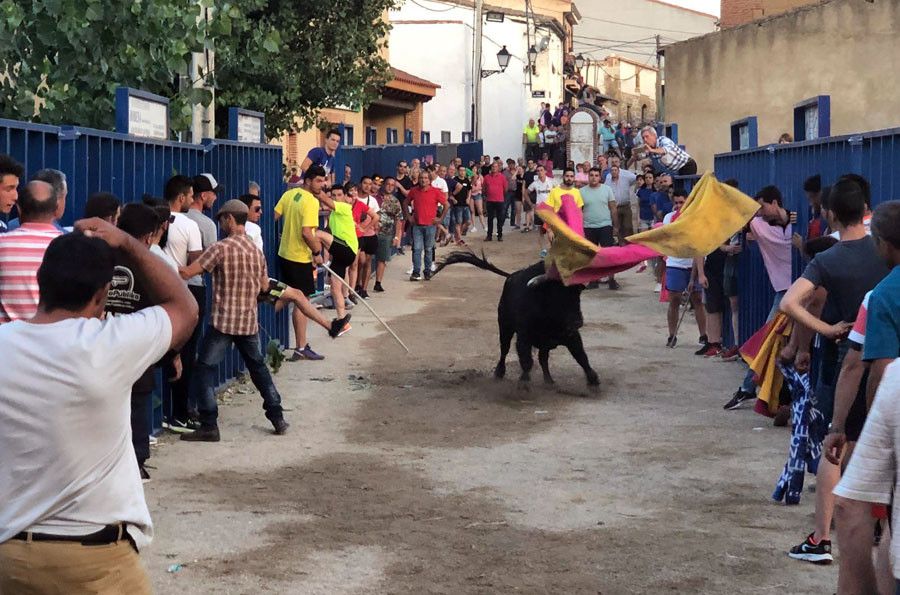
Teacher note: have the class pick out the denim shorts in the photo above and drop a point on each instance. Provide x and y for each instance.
(459, 215)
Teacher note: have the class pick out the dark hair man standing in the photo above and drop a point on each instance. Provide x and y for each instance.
(72, 508)
(324, 156)
(10, 172)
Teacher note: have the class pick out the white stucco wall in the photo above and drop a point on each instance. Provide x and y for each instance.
(438, 46)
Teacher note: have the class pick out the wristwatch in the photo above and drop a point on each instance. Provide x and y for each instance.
(832, 429)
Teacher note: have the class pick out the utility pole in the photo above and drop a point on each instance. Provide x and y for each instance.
(660, 111)
(476, 71)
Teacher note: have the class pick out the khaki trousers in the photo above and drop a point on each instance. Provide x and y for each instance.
(626, 222)
(69, 568)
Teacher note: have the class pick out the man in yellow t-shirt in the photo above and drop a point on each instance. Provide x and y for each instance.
(300, 250)
(567, 187)
(531, 138)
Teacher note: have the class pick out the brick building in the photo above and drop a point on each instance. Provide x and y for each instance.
(739, 12)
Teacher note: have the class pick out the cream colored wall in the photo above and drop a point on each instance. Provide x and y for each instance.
(627, 74)
(382, 120)
(847, 49)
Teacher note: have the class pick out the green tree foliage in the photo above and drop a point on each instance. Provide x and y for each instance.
(61, 60)
(326, 55)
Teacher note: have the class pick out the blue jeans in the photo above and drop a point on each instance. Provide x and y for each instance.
(748, 386)
(212, 351)
(423, 239)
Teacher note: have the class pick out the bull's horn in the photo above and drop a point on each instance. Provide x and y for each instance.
(535, 281)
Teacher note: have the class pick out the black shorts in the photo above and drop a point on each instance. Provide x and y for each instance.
(341, 257)
(856, 418)
(298, 275)
(602, 236)
(714, 294)
(368, 244)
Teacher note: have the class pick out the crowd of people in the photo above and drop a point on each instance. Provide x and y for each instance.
(95, 309)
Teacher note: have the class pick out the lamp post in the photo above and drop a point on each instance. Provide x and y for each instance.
(502, 59)
(579, 61)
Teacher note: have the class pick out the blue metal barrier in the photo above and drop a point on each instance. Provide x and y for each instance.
(128, 166)
(874, 155)
(383, 159)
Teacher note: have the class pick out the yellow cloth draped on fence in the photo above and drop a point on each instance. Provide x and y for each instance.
(713, 213)
(761, 352)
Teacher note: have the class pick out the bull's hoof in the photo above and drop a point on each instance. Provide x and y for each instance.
(549, 379)
(593, 379)
(524, 385)
(499, 372)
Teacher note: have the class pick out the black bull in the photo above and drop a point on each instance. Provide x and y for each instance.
(542, 316)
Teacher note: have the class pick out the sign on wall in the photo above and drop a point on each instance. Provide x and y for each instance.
(246, 126)
(582, 138)
(142, 114)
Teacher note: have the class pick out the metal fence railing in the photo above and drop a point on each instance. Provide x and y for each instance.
(128, 166)
(874, 155)
(383, 159)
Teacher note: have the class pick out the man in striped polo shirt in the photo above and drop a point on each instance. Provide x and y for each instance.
(22, 251)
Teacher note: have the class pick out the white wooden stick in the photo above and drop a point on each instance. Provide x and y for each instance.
(366, 304)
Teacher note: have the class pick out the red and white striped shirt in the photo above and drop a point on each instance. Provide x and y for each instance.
(21, 253)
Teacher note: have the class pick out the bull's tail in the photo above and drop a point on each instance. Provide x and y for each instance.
(469, 258)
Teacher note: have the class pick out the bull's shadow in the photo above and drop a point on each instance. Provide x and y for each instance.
(542, 314)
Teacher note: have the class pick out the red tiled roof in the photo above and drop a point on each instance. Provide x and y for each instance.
(405, 77)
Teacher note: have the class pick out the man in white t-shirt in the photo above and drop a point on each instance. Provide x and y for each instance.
(252, 228)
(539, 190)
(679, 279)
(72, 507)
(184, 244)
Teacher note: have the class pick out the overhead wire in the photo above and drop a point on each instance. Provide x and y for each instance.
(448, 9)
(649, 27)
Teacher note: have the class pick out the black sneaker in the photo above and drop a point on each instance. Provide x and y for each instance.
(703, 349)
(202, 435)
(353, 299)
(378, 288)
(819, 553)
(499, 238)
(415, 277)
(613, 284)
(428, 275)
(739, 397)
(363, 294)
(337, 325)
(281, 427)
(703, 340)
(488, 239)
(672, 341)
(145, 477)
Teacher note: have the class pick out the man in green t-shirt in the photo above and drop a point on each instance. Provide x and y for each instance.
(341, 243)
(531, 138)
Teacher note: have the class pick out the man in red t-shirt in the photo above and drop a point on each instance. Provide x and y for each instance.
(494, 189)
(424, 199)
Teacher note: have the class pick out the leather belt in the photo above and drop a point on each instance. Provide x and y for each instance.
(106, 535)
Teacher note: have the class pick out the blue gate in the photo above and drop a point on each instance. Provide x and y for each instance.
(129, 167)
(383, 159)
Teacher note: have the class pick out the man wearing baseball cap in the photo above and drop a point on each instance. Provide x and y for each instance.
(239, 274)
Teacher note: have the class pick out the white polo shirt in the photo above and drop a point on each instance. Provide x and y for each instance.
(67, 465)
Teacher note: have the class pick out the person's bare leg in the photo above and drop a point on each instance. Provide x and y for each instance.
(366, 272)
(734, 319)
(827, 479)
(699, 312)
(380, 266)
(672, 314)
(302, 304)
(856, 574)
(884, 574)
(352, 272)
(714, 327)
(480, 205)
(519, 213)
(299, 322)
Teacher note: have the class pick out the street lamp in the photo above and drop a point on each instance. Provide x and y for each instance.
(502, 59)
(579, 61)
(532, 54)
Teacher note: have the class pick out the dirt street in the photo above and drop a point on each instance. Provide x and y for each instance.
(419, 473)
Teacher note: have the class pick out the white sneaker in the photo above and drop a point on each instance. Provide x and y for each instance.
(657, 288)
(410, 271)
(153, 441)
(433, 267)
